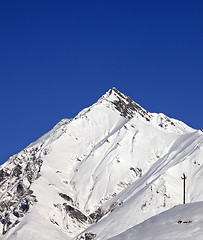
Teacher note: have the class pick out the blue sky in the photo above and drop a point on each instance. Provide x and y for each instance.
(58, 57)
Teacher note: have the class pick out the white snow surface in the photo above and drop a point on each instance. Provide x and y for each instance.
(183, 222)
(103, 173)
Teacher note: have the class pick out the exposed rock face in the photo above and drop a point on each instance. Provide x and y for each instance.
(95, 216)
(15, 182)
(127, 107)
(75, 213)
(67, 198)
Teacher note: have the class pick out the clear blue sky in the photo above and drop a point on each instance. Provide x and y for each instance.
(58, 57)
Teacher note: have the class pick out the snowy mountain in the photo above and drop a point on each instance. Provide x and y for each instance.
(107, 170)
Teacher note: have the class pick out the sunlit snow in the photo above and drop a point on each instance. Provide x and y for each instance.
(102, 174)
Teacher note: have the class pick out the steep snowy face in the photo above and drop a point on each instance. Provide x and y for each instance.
(160, 188)
(109, 155)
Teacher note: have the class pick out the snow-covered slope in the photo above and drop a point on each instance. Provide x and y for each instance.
(92, 177)
(183, 222)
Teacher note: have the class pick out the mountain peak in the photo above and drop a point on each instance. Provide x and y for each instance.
(114, 92)
(125, 105)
